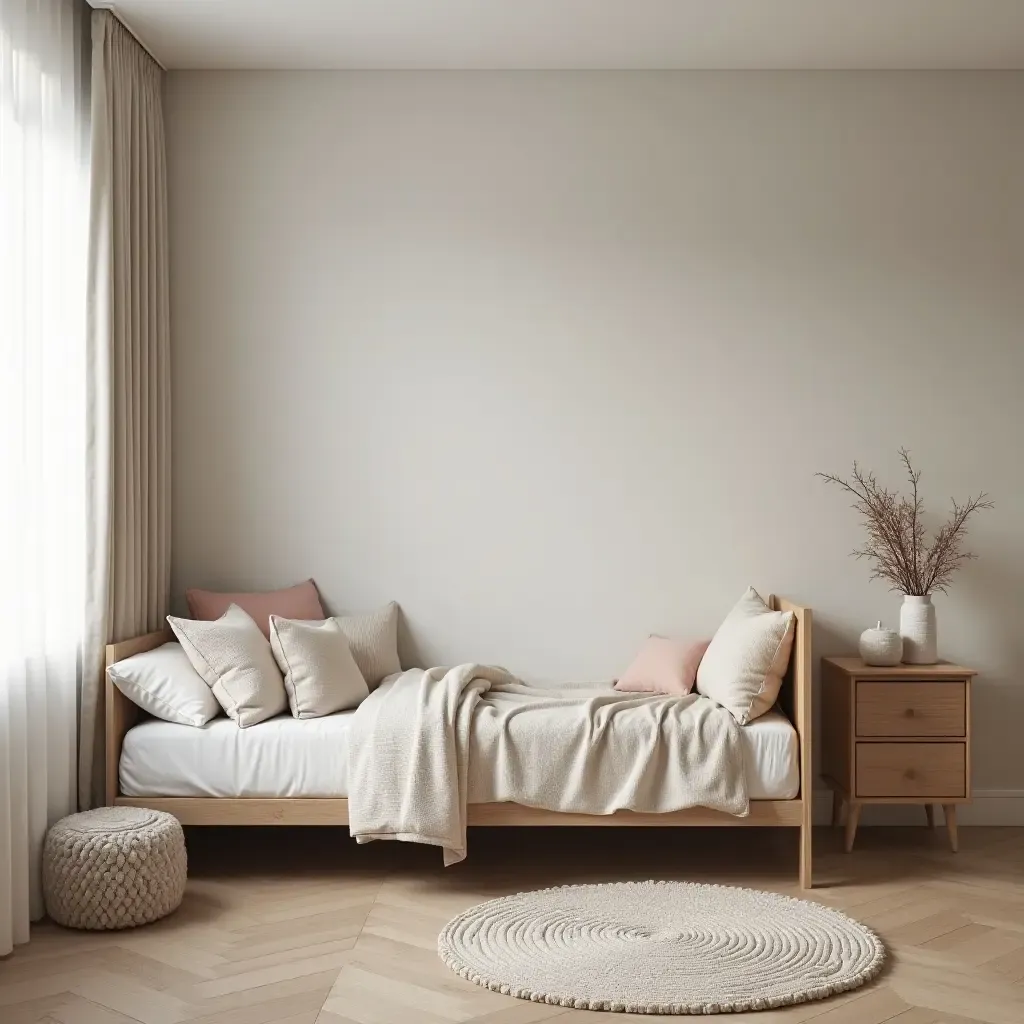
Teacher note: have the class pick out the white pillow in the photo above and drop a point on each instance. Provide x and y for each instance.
(373, 640)
(234, 657)
(320, 674)
(742, 668)
(164, 683)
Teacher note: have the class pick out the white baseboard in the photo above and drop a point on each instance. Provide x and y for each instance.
(987, 807)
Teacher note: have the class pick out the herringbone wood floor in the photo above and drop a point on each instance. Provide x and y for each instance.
(298, 926)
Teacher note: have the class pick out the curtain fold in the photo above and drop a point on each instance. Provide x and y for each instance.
(128, 371)
(43, 227)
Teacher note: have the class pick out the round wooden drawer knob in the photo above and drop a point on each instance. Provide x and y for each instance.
(910, 774)
(909, 712)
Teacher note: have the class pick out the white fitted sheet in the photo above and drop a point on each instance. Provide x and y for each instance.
(286, 757)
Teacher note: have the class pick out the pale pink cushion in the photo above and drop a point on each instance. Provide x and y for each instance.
(299, 602)
(664, 666)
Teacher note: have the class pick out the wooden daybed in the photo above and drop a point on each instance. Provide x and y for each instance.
(795, 700)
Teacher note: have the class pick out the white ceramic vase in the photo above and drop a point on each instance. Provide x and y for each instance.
(918, 629)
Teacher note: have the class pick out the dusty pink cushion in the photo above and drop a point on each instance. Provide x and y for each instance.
(299, 602)
(664, 666)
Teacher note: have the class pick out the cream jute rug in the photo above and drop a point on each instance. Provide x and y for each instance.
(660, 947)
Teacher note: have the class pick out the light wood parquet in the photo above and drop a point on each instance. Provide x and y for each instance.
(301, 926)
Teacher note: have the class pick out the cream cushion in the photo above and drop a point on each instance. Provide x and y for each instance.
(373, 640)
(164, 683)
(235, 659)
(743, 666)
(320, 674)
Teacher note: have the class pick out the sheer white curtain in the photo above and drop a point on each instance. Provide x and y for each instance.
(43, 225)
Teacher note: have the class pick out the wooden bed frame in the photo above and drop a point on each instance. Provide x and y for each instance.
(122, 714)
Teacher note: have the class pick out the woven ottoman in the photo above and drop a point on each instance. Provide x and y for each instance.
(115, 867)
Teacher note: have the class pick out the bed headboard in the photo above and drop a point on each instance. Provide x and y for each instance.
(121, 713)
(796, 695)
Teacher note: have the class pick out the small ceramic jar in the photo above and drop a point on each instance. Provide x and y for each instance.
(880, 646)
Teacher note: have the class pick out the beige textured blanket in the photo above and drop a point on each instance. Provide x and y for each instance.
(426, 743)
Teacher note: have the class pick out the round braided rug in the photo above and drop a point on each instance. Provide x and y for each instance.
(660, 947)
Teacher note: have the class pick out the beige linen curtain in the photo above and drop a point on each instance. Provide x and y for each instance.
(129, 370)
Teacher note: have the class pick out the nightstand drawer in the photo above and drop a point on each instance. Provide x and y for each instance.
(911, 709)
(911, 770)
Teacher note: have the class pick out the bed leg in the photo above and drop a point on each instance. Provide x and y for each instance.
(806, 855)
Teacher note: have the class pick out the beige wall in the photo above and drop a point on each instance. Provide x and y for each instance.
(551, 359)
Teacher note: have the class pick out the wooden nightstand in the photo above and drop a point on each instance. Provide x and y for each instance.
(897, 735)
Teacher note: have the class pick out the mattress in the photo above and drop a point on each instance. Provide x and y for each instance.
(286, 757)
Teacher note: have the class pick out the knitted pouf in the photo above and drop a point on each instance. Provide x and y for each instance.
(115, 867)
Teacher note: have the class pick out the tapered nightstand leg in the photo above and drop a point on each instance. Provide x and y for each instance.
(949, 810)
(929, 813)
(837, 808)
(852, 817)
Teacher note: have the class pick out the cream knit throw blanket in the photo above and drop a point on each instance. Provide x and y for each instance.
(426, 743)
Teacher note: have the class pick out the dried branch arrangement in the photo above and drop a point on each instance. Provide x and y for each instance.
(896, 544)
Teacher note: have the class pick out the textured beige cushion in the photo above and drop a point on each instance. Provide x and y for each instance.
(373, 640)
(320, 674)
(164, 683)
(743, 666)
(235, 659)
